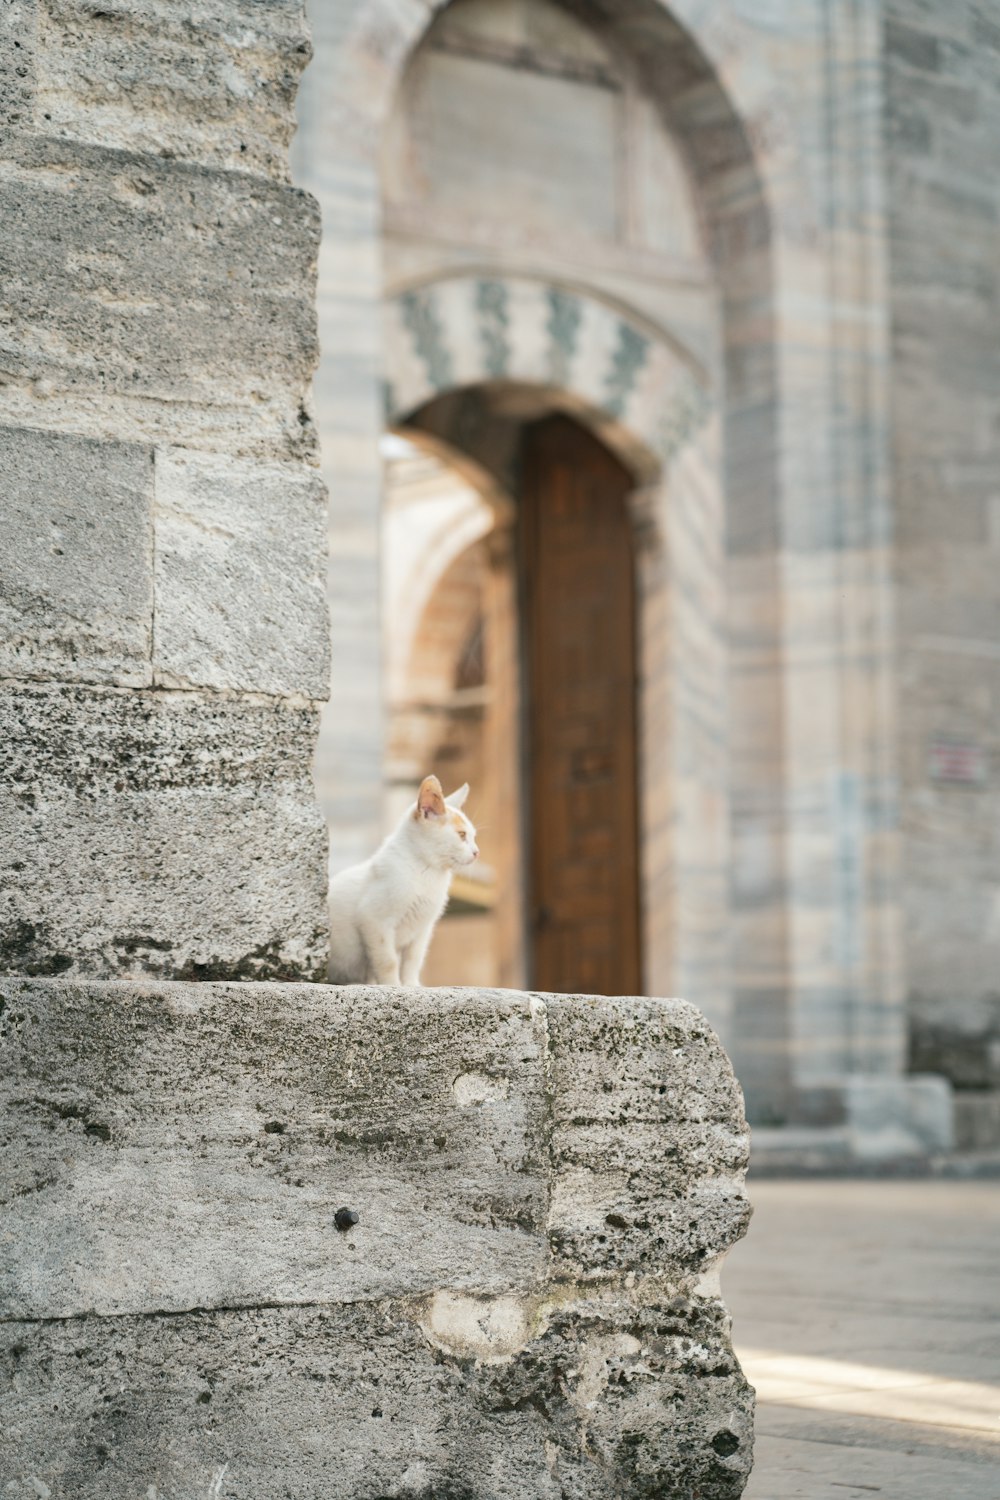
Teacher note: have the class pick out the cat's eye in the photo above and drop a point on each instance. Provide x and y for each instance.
(462, 833)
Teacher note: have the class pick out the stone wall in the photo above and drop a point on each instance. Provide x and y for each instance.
(527, 1304)
(943, 122)
(162, 614)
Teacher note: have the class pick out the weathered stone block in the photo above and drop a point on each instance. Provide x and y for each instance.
(203, 82)
(206, 1135)
(76, 567)
(178, 1311)
(356, 1402)
(649, 1142)
(240, 576)
(158, 832)
(156, 299)
(17, 66)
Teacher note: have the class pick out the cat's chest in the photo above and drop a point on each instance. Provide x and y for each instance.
(420, 908)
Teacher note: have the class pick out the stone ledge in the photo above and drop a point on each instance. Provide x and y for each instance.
(527, 1304)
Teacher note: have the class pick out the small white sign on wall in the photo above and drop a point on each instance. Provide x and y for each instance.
(957, 761)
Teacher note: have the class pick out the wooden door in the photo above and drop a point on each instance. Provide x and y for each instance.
(579, 643)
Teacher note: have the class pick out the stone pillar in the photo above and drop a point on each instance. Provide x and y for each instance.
(163, 638)
(528, 1303)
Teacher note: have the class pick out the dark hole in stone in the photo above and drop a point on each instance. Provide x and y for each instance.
(205, 1398)
(616, 1221)
(725, 1443)
(274, 1127)
(102, 1132)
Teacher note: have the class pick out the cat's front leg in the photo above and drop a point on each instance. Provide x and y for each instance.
(409, 966)
(383, 960)
(413, 957)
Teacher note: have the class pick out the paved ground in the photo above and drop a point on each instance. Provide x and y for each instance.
(867, 1314)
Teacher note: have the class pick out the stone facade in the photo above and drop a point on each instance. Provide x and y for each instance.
(527, 1305)
(770, 768)
(162, 612)
(800, 203)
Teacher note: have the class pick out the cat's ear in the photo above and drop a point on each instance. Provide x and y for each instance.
(430, 799)
(457, 799)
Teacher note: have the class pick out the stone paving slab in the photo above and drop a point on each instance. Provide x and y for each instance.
(866, 1315)
(802, 1469)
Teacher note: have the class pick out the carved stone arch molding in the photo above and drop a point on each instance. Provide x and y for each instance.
(644, 395)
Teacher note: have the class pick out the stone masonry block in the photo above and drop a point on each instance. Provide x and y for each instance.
(180, 1315)
(899, 1117)
(207, 82)
(158, 832)
(76, 567)
(17, 67)
(355, 1402)
(147, 298)
(649, 1142)
(240, 576)
(205, 1135)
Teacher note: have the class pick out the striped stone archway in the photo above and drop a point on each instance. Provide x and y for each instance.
(639, 389)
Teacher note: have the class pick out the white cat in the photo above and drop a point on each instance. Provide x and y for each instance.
(382, 913)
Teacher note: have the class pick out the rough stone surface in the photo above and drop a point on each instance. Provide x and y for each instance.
(157, 1116)
(153, 300)
(76, 567)
(619, 1201)
(355, 1403)
(171, 833)
(17, 65)
(240, 576)
(183, 1317)
(201, 81)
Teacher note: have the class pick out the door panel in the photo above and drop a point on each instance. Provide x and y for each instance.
(580, 736)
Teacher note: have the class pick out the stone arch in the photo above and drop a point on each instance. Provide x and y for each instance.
(645, 394)
(645, 397)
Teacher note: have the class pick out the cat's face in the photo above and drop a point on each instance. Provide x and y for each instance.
(446, 833)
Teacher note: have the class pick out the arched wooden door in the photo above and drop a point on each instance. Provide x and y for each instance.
(580, 668)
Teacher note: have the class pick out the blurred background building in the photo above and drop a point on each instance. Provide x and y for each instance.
(660, 410)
